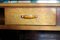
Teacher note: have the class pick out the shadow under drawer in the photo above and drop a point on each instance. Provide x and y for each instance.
(2, 17)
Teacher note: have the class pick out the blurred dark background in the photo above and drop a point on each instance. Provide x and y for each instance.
(29, 35)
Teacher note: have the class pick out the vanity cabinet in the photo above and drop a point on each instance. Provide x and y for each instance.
(30, 16)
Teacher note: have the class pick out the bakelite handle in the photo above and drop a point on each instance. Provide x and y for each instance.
(29, 16)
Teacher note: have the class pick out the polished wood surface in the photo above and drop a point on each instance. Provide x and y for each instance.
(29, 4)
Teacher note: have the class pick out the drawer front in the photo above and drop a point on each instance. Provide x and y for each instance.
(30, 16)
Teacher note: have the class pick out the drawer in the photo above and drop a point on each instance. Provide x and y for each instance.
(30, 16)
